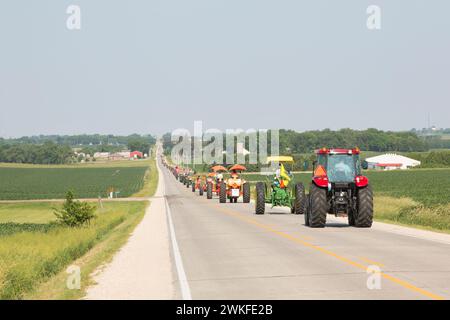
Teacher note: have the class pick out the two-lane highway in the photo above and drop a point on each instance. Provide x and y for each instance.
(228, 252)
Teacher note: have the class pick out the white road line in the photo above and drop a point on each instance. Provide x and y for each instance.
(182, 279)
(184, 285)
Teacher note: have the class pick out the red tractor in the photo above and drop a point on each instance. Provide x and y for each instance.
(235, 187)
(214, 181)
(338, 187)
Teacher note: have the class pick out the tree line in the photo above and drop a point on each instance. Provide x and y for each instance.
(59, 149)
(80, 140)
(302, 144)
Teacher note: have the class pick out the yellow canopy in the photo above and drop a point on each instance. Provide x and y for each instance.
(280, 159)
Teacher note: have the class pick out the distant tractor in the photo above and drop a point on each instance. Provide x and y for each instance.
(235, 186)
(281, 191)
(214, 181)
(199, 183)
(338, 187)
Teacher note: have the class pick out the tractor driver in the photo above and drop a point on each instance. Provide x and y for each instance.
(342, 171)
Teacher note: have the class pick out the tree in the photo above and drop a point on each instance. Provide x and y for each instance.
(74, 213)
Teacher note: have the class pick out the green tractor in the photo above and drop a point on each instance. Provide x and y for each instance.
(281, 191)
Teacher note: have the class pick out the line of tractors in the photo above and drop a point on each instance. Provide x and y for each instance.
(337, 187)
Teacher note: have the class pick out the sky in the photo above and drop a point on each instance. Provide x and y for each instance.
(151, 66)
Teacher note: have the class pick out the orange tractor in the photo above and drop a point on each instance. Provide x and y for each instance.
(199, 183)
(214, 181)
(235, 187)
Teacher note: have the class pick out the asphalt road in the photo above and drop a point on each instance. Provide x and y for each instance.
(225, 251)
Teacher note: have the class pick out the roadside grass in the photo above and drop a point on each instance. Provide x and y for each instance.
(101, 254)
(407, 212)
(30, 258)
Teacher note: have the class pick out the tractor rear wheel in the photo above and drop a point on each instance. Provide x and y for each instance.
(223, 193)
(260, 205)
(364, 205)
(246, 192)
(209, 190)
(300, 199)
(318, 206)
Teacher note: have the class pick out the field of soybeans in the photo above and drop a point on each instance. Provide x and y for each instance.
(26, 183)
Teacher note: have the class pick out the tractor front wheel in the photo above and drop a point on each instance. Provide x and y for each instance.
(223, 193)
(307, 208)
(300, 199)
(260, 205)
(246, 192)
(364, 205)
(318, 206)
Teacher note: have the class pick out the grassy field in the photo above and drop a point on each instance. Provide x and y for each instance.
(93, 164)
(23, 183)
(29, 257)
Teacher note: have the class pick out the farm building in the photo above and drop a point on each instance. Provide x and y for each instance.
(136, 154)
(391, 161)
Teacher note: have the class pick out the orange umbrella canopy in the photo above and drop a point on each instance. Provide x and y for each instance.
(238, 167)
(219, 168)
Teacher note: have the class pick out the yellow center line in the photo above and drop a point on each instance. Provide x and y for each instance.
(371, 262)
(292, 238)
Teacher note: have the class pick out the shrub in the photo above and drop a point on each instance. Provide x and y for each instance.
(74, 213)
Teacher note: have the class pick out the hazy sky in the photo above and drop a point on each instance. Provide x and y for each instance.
(151, 66)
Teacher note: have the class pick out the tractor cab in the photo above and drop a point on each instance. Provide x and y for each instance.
(338, 166)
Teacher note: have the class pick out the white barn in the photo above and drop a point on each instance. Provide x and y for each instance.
(391, 161)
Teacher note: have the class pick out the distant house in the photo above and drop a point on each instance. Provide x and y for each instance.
(136, 155)
(101, 155)
(391, 162)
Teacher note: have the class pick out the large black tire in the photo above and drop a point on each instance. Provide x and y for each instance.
(209, 190)
(351, 218)
(364, 206)
(260, 204)
(318, 206)
(223, 193)
(307, 208)
(246, 192)
(300, 199)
